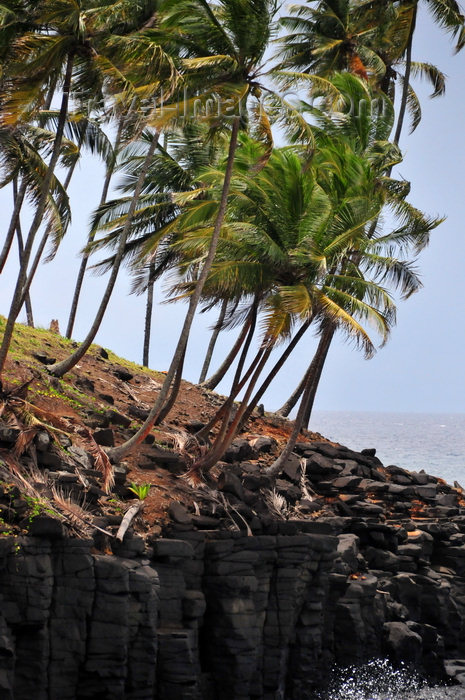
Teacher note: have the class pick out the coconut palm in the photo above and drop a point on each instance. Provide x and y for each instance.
(366, 123)
(350, 195)
(337, 35)
(170, 172)
(224, 44)
(71, 38)
(448, 15)
(371, 40)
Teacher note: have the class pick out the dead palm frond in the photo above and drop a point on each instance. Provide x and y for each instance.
(277, 504)
(76, 514)
(101, 460)
(24, 440)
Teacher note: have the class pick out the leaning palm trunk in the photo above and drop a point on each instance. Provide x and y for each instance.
(408, 70)
(308, 395)
(85, 258)
(60, 368)
(174, 392)
(18, 203)
(214, 337)
(229, 429)
(216, 378)
(44, 239)
(148, 318)
(38, 217)
(274, 371)
(119, 452)
(320, 363)
(19, 236)
(239, 381)
(293, 398)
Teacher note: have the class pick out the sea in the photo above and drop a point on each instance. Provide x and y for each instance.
(434, 442)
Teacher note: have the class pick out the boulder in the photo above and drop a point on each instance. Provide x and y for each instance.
(402, 643)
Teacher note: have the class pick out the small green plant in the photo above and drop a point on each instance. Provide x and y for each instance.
(141, 490)
(5, 528)
(115, 505)
(37, 507)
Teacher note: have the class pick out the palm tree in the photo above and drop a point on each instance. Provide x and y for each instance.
(72, 34)
(327, 238)
(37, 57)
(273, 250)
(366, 125)
(225, 43)
(369, 40)
(448, 15)
(147, 251)
(336, 35)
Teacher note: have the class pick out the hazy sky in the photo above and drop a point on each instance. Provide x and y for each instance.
(422, 366)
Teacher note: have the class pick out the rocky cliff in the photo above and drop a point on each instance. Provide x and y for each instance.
(257, 607)
(243, 588)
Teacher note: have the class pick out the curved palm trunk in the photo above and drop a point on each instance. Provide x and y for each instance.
(320, 363)
(274, 371)
(19, 236)
(238, 382)
(119, 452)
(294, 397)
(319, 357)
(229, 429)
(37, 220)
(18, 203)
(408, 70)
(174, 392)
(44, 239)
(148, 318)
(211, 346)
(60, 368)
(216, 378)
(85, 259)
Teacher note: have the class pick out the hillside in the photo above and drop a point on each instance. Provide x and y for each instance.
(338, 560)
(110, 397)
(52, 454)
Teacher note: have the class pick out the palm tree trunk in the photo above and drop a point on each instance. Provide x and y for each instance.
(148, 317)
(294, 397)
(211, 346)
(238, 382)
(19, 236)
(274, 371)
(228, 430)
(85, 258)
(216, 378)
(119, 452)
(408, 70)
(37, 220)
(60, 368)
(17, 204)
(174, 392)
(319, 357)
(44, 239)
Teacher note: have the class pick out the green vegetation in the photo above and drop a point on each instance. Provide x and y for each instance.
(318, 234)
(140, 490)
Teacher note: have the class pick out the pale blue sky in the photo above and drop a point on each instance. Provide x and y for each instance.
(420, 369)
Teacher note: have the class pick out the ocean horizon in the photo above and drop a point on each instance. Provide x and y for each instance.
(434, 442)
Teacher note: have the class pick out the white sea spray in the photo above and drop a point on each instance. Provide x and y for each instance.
(379, 680)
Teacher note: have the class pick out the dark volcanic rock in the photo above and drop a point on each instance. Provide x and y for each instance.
(43, 358)
(239, 451)
(105, 437)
